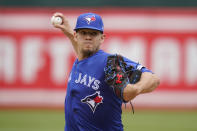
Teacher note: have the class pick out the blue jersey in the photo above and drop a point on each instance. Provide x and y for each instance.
(90, 104)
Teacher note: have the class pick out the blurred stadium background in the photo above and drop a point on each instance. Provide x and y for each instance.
(35, 60)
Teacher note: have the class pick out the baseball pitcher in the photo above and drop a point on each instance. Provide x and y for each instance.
(99, 82)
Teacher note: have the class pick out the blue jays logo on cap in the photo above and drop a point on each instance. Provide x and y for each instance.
(90, 18)
(89, 21)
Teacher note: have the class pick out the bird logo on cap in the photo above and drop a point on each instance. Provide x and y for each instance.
(89, 19)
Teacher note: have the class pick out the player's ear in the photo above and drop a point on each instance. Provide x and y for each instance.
(75, 36)
(102, 38)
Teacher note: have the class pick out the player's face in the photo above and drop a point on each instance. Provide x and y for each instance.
(89, 41)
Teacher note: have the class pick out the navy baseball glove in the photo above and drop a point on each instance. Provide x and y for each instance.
(118, 74)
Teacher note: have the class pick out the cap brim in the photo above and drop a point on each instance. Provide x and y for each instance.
(88, 27)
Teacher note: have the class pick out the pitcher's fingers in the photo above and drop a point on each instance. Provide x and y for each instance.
(60, 26)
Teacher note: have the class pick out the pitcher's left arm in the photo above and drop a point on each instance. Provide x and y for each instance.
(147, 83)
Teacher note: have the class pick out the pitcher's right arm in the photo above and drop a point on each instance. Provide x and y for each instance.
(67, 30)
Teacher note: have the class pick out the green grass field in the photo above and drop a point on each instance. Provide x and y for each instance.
(53, 120)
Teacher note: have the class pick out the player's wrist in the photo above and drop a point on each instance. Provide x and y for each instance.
(130, 92)
(67, 31)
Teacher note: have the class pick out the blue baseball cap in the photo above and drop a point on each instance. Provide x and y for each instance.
(89, 21)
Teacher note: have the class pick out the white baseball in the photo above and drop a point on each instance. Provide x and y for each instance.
(56, 20)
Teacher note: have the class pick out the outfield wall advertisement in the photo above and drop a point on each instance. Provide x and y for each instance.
(35, 58)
